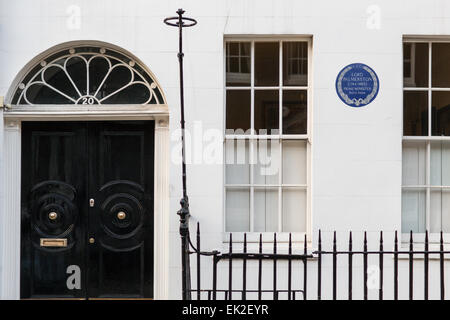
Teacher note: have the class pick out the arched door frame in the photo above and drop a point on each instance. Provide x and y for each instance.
(13, 116)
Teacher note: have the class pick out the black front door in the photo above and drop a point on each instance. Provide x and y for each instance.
(87, 209)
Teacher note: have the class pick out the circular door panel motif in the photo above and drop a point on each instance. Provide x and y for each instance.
(122, 215)
(54, 213)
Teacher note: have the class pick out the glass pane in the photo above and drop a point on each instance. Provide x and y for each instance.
(237, 210)
(415, 64)
(118, 78)
(413, 210)
(266, 110)
(233, 48)
(294, 210)
(295, 63)
(294, 162)
(137, 93)
(295, 112)
(245, 68)
(440, 163)
(266, 210)
(238, 109)
(267, 64)
(238, 64)
(414, 163)
(415, 113)
(440, 124)
(98, 68)
(38, 93)
(440, 210)
(77, 70)
(440, 68)
(267, 164)
(232, 67)
(58, 79)
(237, 161)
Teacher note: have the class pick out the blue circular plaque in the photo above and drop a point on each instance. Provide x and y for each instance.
(357, 85)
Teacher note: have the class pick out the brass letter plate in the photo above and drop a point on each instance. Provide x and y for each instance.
(52, 242)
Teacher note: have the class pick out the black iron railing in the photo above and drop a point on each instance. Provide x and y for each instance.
(297, 288)
(411, 253)
(243, 257)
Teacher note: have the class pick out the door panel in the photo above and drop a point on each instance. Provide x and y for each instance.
(64, 165)
(52, 183)
(121, 221)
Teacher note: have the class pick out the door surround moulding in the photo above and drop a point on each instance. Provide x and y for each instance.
(10, 232)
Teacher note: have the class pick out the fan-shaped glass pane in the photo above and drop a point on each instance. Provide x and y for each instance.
(87, 75)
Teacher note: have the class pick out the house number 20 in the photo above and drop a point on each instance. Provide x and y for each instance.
(87, 100)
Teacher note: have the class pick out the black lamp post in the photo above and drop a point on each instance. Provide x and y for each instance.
(182, 22)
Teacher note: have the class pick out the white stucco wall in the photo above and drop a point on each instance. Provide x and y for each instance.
(356, 152)
(3, 88)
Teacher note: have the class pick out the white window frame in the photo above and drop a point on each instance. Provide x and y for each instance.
(253, 236)
(419, 236)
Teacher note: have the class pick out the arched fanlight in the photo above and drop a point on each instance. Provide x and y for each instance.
(87, 75)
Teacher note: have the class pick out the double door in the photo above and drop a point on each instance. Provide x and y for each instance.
(87, 209)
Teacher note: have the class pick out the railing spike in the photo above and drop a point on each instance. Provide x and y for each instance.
(275, 295)
(350, 266)
(260, 269)
(441, 266)
(230, 269)
(411, 266)
(305, 268)
(425, 267)
(244, 270)
(319, 266)
(334, 267)
(381, 267)
(290, 268)
(396, 266)
(365, 265)
(290, 243)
